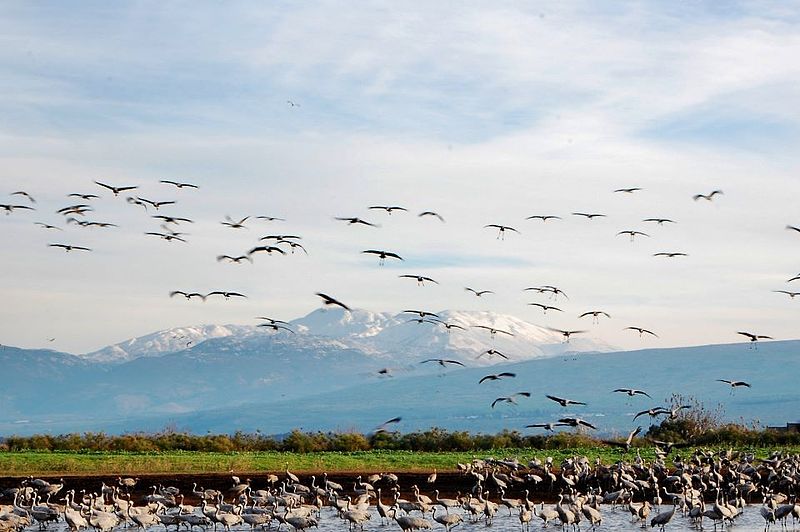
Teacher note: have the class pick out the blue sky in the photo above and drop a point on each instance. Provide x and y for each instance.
(486, 113)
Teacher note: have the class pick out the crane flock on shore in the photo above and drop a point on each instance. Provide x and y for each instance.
(76, 211)
(699, 490)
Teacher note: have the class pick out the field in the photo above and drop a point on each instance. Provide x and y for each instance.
(107, 463)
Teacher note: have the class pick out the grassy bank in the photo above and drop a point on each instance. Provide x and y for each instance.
(125, 463)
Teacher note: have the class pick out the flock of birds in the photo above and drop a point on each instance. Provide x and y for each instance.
(699, 488)
(78, 212)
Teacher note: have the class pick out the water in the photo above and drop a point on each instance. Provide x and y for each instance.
(618, 518)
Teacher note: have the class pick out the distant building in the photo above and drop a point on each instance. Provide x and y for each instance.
(790, 427)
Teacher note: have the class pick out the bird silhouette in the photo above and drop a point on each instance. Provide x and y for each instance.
(187, 295)
(595, 314)
(659, 221)
(420, 279)
(172, 219)
(329, 301)
(178, 184)
(116, 190)
(735, 384)
(270, 218)
(87, 197)
(632, 234)
(498, 376)
(266, 249)
(272, 320)
(69, 247)
(670, 254)
(9, 208)
(431, 213)
(708, 197)
(566, 334)
(564, 402)
(627, 443)
(546, 426)
(355, 221)
(492, 352)
(47, 226)
(793, 228)
(589, 215)
(25, 194)
(545, 308)
(641, 331)
(155, 204)
(388, 208)
(449, 326)
(275, 327)
(543, 217)
(576, 422)
(226, 295)
(630, 190)
(755, 337)
(229, 222)
(235, 260)
(382, 426)
(443, 362)
(501, 230)
(631, 392)
(788, 293)
(169, 237)
(492, 330)
(421, 313)
(382, 255)
(478, 293)
(511, 399)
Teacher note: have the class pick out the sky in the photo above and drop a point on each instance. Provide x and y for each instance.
(486, 113)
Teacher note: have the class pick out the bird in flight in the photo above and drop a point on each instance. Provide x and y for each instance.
(270, 218)
(443, 362)
(707, 197)
(420, 279)
(793, 228)
(431, 213)
(632, 234)
(788, 293)
(293, 245)
(546, 426)
(271, 320)
(266, 249)
(11, 208)
(382, 255)
(477, 293)
(69, 247)
(178, 184)
(640, 331)
(290, 103)
(329, 301)
(576, 422)
(564, 402)
(595, 314)
(275, 327)
(86, 197)
(496, 377)
(116, 190)
(137, 201)
(382, 426)
(670, 254)
(23, 193)
(172, 219)
(566, 334)
(421, 313)
(545, 308)
(388, 208)
(492, 352)
(187, 295)
(234, 224)
(795, 278)
(501, 230)
(226, 295)
(653, 412)
(511, 399)
(88, 223)
(492, 330)
(630, 190)
(47, 226)
(168, 236)
(659, 221)
(627, 443)
(589, 215)
(80, 209)
(234, 260)
(631, 392)
(754, 337)
(155, 204)
(544, 217)
(353, 221)
(450, 326)
(734, 384)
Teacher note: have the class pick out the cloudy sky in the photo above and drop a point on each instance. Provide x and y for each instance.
(485, 112)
